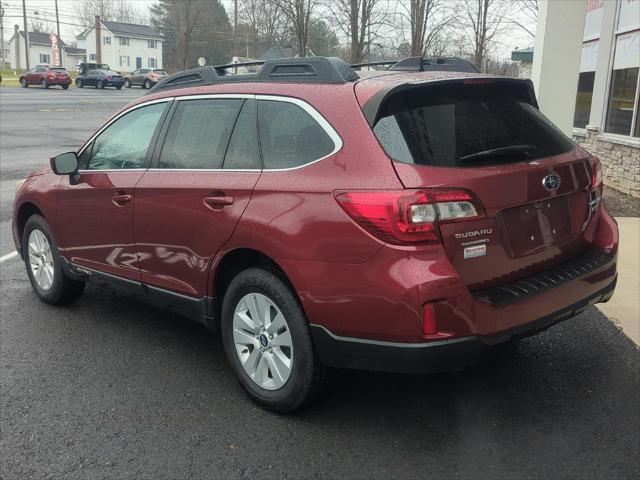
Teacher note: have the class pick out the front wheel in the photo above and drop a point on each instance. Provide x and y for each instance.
(147, 84)
(127, 83)
(44, 84)
(119, 87)
(99, 84)
(267, 340)
(24, 83)
(44, 264)
(79, 84)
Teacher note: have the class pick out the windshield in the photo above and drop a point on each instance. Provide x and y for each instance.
(466, 125)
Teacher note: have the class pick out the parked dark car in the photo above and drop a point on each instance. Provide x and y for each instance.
(144, 77)
(100, 79)
(86, 67)
(46, 76)
(402, 221)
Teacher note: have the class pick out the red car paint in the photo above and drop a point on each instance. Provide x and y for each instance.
(348, 280)
(50, 75)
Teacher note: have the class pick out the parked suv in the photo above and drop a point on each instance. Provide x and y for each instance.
(404, 221)
(45, 76)
(144, 77)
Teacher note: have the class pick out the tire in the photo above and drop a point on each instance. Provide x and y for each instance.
(306, 378)
(147, 84)
(119, 87)
(23, 83)
(99, 84)
(44, 84)
(127, 83)
(62, 289)
(65, 87)
(79, 84)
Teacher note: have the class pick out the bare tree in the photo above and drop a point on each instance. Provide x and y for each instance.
(428, 20)
(300, 14)
(485, 21)
(358, 20)
(529, 10)
(113, 10)
(267, 22)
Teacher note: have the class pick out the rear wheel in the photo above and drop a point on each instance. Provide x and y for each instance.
(24, 83)
(44, 264)
(65, 87)
(147, 84)
(267, 340)
(44, 84)
(127, 83)
(119, 87)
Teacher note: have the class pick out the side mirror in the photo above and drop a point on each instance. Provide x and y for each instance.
(65, 163)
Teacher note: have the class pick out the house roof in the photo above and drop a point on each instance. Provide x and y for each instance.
(130, 29)
(75, 51)
(40, 38)
(278, 51)
(522, 54)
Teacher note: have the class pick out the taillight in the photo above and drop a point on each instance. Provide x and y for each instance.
(52, 77)
(402, 217)
(108, 77)
(596, 175)
(429, 322)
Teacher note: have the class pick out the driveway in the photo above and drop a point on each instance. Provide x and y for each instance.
(112, 388)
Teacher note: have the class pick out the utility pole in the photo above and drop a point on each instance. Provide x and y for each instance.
(235, 28)
(26, 32)
(2, 36)
(59, 40)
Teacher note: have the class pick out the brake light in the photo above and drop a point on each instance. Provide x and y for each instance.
(52, 77)
(108, 77)
(406, 217)
(596, 174)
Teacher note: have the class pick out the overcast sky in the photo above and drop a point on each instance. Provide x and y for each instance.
(69, 27)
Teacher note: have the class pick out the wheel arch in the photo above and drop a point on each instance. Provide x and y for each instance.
(26, 210)
(235, 261)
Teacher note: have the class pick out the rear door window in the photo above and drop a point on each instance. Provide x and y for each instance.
(466, 125)
(199, 132)
(289, 136)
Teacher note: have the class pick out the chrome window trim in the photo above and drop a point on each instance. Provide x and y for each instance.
(317, 116)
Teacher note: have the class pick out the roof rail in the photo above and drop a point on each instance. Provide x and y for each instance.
(285, 70)
(420, 64)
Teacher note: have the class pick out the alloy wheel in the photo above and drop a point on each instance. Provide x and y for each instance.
(41, 259)
(263, 341)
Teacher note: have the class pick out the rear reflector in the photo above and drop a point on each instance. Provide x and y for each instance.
(429, 322)
(405, 217)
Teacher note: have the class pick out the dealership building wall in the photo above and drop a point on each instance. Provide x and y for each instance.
(607, 110)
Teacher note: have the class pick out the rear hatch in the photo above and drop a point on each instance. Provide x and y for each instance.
(531, 187)
(60, 72)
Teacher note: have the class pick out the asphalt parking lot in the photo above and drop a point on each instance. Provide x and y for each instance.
(111, 388)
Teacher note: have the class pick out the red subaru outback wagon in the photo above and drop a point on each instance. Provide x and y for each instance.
(404, 220)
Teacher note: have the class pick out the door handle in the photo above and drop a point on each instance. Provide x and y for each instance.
(217, 202)
(120, 198)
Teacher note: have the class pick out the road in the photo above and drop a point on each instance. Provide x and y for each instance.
(111, 388)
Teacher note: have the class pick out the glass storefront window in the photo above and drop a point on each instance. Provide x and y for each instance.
(583, 99)
(622, 100)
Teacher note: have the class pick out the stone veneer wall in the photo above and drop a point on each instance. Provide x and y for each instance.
(620, 161)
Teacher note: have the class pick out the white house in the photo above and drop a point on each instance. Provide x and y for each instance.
(123, 46)
(39, 49)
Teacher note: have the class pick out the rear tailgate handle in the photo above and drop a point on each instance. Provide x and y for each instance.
(120, 198)
(217, 202)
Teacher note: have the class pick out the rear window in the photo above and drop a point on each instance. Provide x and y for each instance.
(59, 70)
(160, 72)
(466, 125)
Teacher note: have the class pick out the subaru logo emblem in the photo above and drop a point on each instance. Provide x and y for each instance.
(551, 182)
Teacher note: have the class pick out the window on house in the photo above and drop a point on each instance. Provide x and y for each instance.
(124, 41)
(92, 56)
(152, 63)
(152, 44)
(45, 58)
(125, 61)
(106, 40)
(622, 109)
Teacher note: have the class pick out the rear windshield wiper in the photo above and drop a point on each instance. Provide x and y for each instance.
(496, 152)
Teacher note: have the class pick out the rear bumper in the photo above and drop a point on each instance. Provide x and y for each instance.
(438, 356)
